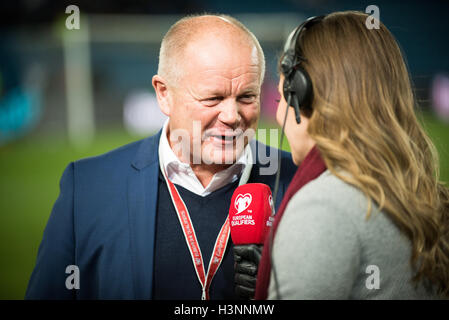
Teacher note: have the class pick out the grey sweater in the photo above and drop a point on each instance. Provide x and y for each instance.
(326, 249)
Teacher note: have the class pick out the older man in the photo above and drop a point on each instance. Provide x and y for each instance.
(142, 221)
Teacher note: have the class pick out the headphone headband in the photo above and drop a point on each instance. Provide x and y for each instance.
(298, 88)
(290, 58)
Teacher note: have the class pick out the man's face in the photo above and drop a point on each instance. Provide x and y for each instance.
(216, 100)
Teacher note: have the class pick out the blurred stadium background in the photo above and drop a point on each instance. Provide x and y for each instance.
(66, 94)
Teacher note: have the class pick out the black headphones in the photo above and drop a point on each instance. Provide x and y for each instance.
(298, 89)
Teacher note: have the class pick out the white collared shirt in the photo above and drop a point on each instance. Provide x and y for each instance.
(181, 173)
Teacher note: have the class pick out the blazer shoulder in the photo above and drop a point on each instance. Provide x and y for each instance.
(119, 152)
(144, 149)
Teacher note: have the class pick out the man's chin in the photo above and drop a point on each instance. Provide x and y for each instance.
(218, 156)
(219, 159)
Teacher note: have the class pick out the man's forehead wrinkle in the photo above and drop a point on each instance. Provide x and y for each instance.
(241, 87)
(233, 78)
(203, 88)
(226, 88)
(251, 66)
(198, 90)
(252, 81)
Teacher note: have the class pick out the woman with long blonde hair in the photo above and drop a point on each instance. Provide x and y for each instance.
(366, 216)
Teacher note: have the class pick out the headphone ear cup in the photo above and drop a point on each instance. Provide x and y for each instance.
(301, 86)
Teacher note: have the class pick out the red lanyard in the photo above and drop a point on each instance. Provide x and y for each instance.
(192, 242)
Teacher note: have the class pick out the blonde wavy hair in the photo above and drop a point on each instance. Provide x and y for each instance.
(364, 123)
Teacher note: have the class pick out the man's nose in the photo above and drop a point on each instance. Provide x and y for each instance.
(229, 113)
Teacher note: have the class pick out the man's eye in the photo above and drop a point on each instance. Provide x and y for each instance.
(214, 99)
(211, 101)
(249, 98)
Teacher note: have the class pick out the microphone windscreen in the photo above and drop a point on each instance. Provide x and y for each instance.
(250, 213)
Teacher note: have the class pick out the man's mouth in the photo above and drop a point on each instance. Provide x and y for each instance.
(224, 138)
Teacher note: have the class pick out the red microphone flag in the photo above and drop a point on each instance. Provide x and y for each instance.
(250, 213)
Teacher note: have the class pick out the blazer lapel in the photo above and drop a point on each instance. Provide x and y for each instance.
(142, 201)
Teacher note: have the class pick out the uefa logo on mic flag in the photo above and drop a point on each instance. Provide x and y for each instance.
(250, 210)
(242, 202)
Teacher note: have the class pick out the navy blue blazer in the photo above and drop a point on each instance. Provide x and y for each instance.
(104, 223)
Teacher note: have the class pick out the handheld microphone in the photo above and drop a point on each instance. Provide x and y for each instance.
(250, 213)
(250, 219)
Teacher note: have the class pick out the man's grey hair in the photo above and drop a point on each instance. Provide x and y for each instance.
(177, 38)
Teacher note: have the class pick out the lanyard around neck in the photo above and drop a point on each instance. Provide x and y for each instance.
(204, 278)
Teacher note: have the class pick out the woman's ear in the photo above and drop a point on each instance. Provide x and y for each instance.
(162, 94)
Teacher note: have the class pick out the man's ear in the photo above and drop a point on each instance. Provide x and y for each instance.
(164, 98)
